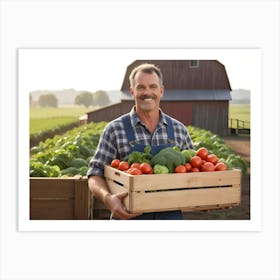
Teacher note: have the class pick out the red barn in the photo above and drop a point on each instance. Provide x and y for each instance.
(197, 92)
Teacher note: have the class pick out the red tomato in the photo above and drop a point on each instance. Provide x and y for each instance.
(196, 161)
(124, 165)
(207, 167)
(133, 171)
(135, 165)
(188, 167)
(220, 166)
(202, 153)
(180, 169)
(212, 158)
(195, 169)
(115, 163)
(146, 168)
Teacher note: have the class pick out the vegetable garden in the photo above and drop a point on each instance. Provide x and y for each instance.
(68, 155)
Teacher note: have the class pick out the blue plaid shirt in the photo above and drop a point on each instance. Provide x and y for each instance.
(113, 143)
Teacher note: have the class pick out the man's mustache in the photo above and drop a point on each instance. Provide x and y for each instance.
(146, 96)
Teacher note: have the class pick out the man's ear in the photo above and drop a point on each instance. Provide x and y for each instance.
(162, 91)
(131, 91)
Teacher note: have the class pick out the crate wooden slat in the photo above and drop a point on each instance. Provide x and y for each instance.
(59, 199)
(188, 191)
(82, 200)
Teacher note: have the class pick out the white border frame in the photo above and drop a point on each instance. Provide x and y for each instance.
(119, 255)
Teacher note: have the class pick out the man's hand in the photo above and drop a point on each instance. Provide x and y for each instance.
(115, 204)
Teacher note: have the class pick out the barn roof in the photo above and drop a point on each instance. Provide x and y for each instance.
(188, 95)
(180, 74)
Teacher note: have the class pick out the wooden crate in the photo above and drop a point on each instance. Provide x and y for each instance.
(185, 191)
(60, 199)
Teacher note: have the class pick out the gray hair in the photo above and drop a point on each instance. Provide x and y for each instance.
(145, 68)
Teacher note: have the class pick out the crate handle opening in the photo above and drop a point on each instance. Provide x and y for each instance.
(118, 183)
(181, 189)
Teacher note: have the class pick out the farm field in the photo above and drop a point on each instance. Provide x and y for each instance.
(50, 118)
(240, 111)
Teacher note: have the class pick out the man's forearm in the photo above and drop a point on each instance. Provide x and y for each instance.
(114, 202)
(98, 187)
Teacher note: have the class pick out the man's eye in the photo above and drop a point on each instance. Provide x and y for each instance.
(140, 87)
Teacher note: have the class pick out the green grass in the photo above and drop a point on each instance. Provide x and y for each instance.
(50, 118)
(241, 112)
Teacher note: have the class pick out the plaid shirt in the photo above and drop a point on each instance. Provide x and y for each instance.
(113, 142)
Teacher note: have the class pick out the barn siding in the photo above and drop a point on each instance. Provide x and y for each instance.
(182, 111)
(212, 116)
(105, 114)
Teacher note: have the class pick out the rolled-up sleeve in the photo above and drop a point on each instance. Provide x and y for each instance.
(106, 151)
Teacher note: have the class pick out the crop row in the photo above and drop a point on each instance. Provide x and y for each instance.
(69, 154)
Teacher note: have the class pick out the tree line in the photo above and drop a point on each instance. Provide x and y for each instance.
(85, 98)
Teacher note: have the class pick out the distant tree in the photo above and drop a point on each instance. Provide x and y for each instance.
(101, 98)
(85, 98)
(30, 100)
(48, 100)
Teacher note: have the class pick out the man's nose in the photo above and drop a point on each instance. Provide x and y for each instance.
(147, 90)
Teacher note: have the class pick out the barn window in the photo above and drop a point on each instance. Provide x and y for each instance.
(194, 63)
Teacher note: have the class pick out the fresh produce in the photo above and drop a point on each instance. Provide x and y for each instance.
(188, 167)
(160, 169)
(180, 169)
(140, 157)
(216, 145)
(169, 157)
(115, 163)
(207, 166)
(196, 161)
(195, 169)
(124, 165)
(188, 154)
(220, 166)
(212, 158)
(136, 165)
(134, 171)
(146, 168)
(202, 153)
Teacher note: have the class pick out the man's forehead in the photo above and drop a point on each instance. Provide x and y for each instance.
(141, 77)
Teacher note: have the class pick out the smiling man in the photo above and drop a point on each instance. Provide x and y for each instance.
(146, 87)
(145, 125)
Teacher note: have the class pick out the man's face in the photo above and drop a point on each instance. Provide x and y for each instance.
(147, 91)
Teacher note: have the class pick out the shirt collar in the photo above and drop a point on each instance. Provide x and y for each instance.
(135, 120)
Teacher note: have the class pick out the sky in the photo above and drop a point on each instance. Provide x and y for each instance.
(104, 69)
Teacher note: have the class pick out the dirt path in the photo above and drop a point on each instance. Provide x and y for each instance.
(241, 146)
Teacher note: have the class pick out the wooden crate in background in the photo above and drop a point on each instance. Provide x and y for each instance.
(60, 199)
